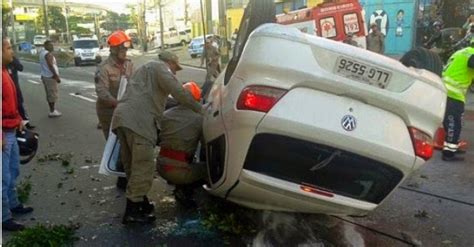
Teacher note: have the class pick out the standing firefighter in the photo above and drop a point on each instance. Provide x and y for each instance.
(136, 121)
(107, 82)
(457, 77)
(211, 55)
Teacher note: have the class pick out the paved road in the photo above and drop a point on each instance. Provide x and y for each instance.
(434, 207)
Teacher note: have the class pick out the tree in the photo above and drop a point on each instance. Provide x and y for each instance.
(114, 21)
(56, 19)
(6, 11)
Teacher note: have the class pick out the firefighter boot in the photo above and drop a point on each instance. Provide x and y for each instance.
(146, 206)
(451, 156)
(134, 214)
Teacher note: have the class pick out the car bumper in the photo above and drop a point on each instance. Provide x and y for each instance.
(387, 146)
(94, 59)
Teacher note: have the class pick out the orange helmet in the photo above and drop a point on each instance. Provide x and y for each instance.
(119, 38)
(194, 89)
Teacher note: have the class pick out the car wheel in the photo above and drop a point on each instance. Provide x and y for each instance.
(193, 55)
(76, 62)
(422, 58)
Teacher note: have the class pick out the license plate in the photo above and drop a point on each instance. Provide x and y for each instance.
(364, 73)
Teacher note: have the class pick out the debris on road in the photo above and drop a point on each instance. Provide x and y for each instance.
(421, 214)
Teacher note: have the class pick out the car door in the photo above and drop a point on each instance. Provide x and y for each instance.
(256, 13)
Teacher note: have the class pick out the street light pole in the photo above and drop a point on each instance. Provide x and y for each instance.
(68, 37)
(162, 40)
(46, 24)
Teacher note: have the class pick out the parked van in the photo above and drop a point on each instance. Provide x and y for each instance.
(86, 50)
(173, 38)
(332, 20)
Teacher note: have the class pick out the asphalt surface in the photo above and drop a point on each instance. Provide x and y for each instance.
(434, 207)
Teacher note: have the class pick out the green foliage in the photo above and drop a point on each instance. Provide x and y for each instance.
(64, 59)
(229, 218)
(56, 19)
(5, 17)
(41, 235)
(23, 189)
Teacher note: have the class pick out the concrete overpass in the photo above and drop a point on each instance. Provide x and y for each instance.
(60, 3)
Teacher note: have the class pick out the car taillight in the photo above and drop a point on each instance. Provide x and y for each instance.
(259, 98)
(422, 143)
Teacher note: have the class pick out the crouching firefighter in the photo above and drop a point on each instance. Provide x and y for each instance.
(457, 77)
(136, 121)
(181, 131)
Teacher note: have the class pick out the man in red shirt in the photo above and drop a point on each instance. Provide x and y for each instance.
(11, 121)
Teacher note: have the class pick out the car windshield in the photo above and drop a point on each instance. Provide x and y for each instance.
(86, 44)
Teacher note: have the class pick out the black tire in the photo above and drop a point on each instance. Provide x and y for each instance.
(422, 58)
(256, 13)
(76, 62)
(193, 55)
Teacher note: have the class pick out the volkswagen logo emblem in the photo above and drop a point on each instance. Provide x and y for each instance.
(349, 122)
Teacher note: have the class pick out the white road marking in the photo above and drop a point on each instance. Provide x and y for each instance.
(82, 97)
(34, 82)
(94, 95)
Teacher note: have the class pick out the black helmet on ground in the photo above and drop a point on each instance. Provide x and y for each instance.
(28, 144)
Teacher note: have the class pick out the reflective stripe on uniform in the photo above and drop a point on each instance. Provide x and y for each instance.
(450, 147)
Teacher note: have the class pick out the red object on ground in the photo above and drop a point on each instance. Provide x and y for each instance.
(439, 140)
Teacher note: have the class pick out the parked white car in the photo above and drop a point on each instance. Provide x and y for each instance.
(38, 40)
(306, 124)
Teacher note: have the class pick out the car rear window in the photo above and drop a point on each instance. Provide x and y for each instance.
(338, 171)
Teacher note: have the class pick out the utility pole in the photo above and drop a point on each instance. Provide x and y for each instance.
(144, 35)
(45, 14)
(224, 47)
(204, 30)
(12, 20)
(162, 40)
(209, 16)
(186, 13)
(68, 36)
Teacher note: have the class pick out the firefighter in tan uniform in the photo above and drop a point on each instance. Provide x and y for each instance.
(181, 131)
(107, 82)
(137, 120)
(211, 56)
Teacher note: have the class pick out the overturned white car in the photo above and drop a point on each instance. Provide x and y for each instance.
(306, 124)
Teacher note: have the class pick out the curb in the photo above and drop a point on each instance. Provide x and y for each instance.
(469, 115)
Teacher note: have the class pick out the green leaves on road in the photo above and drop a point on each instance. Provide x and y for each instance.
(42, 235)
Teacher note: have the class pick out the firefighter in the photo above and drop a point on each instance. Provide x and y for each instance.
(181, 131)
(136, 121)
(107, 82)
(457, 77)
(211, 55)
